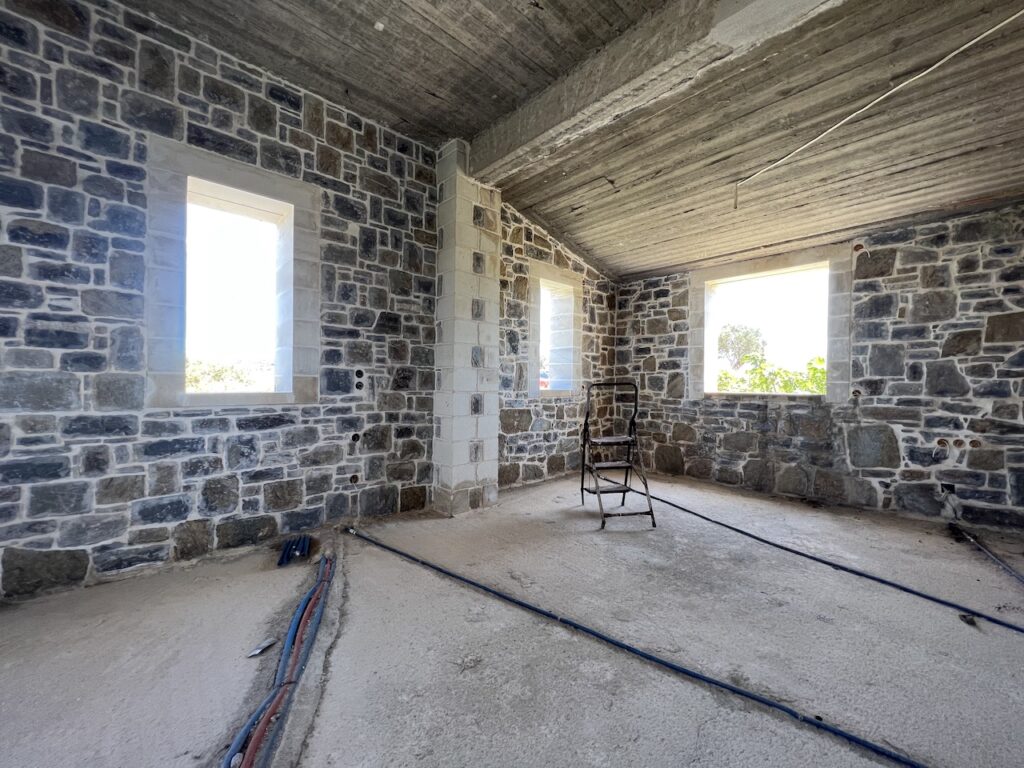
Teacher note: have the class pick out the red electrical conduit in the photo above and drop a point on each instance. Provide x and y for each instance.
(259, 731)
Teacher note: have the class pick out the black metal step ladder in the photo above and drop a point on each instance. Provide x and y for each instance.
(631, 464)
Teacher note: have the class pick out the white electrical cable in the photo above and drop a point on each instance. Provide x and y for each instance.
(866, 107)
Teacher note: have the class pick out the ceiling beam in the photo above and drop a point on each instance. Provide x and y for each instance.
(662, 55)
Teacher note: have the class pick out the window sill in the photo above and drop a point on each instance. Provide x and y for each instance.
(761, 396)
(240, 398)
(166, 390)
(553, 393)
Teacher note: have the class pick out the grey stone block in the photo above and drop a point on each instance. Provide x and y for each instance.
(378, 500)
(59, 499)
(1005, 328)
(919, 498)
(28, 571)
(245, 531)
(219, 495)
(99, 426)
(962, 343)
(83, 362)
(39, 234)
(668, 459)
(92, 529)
(282, 495)
(872, 445)
(126, 348)
(933, 306)
(192, 539)
(242, 452)
(164, 509)
(118, 489)
(156, 69)
(119, 392)
(103, 303)
(887, 360)
(376, 439)
(942, 378)
(40, 391)
(111, 558)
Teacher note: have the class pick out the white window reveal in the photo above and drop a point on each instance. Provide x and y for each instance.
(767, 332)
(232, 282)
(238, 271)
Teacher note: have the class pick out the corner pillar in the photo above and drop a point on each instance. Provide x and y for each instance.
(466, 348)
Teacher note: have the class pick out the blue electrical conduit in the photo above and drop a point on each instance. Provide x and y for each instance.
(307, 649)
(846, 568)
(282, 665)
(814, 722)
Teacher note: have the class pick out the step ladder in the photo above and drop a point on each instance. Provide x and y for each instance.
(631, 464)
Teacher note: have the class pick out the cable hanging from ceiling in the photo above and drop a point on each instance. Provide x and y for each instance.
(874, 102)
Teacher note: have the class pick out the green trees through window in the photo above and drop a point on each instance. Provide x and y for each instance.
(750, 370)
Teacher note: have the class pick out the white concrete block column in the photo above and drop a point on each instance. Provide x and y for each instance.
(466, 351)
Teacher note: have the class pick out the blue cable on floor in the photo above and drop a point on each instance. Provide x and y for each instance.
(282, 666)
(846, 568)
(814, 722)
(271, 746)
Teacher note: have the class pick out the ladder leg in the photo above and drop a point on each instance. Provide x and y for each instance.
(583, 469)
(639, 463)
(600, 502)
(626, 478)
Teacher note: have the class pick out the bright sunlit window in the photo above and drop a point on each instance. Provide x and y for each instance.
(767, 332)
(238, 309)
(558, 345)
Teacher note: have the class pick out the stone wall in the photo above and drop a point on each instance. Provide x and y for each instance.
(937, 364)
(91, 481)
(540, 435)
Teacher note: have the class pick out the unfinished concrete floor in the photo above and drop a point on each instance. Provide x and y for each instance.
(423, 671)
(151, 671)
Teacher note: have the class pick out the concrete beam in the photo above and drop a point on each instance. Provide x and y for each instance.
(661, 56)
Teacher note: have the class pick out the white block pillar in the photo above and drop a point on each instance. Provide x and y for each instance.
(466, 351)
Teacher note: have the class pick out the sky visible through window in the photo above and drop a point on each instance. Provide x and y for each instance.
(788, 314)
(231, 301)
(556, 336)
(546, 310)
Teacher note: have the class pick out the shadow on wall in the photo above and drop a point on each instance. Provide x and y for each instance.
(540, 435)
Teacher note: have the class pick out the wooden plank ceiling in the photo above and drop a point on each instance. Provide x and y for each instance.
(438, 69)
(654, 192)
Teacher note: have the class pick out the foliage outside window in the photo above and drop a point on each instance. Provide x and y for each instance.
(767, 333)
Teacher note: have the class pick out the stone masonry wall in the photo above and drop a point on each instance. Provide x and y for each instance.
(91, 481)
(540, 435)
(937, 340)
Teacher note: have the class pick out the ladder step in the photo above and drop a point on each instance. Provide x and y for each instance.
(613, 440)
(599, 465)
(611, 488)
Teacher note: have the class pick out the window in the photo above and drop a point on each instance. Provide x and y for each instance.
(238, 310)
(556, 327)
(768, 331)
(232, 282)
(557, 337)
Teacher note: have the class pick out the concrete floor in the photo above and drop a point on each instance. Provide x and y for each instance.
(418, 670)
(151, 671)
